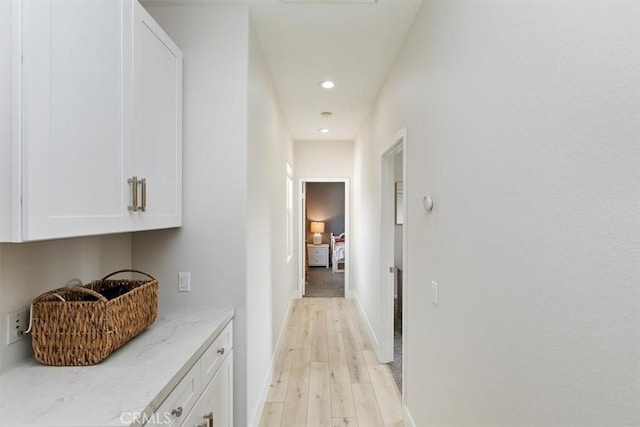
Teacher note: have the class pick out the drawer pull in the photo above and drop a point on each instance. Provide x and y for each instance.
(134, 194)
(209, 418)
(177, 412)
(143, 182)
(221, 350)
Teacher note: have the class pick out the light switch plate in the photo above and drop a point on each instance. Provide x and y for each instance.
(434, 293)
(184, 282)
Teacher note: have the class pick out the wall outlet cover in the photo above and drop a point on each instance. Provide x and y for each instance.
(17, 324)
(184, 282)
(434, 293)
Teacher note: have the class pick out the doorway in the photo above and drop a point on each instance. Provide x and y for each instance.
(394, 223)
(324, 242)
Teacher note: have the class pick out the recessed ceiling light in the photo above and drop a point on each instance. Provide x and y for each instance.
(323, 130)
(327, 84)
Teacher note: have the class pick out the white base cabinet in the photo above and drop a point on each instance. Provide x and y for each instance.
(91, 97)
(318, 255)
(215, 407)
(204, 396)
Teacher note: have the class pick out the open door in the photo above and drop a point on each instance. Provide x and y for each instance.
(324, 203)
(394, 224)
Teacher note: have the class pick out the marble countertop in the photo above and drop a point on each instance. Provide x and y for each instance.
(134, 379)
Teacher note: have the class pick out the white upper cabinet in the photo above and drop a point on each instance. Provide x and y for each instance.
(74, 127)
(100, 102)
(157, 142)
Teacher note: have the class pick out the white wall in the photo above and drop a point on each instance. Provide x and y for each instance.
(30, 269)
(212, 241)
(324, 159)
(271, 278)
(522, 123)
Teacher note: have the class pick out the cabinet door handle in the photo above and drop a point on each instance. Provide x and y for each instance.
(221, 350)
(177, 412)
(143, 181)
(134, 193)
(209, 418)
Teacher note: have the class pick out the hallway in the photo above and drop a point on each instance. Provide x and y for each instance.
(326, 372)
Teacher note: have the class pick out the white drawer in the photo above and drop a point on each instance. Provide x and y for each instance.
(215, 354)
(315, 252)
(317, 261)
(179, 403)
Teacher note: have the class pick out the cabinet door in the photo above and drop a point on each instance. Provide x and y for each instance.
(157, 142)
(8, 115)
(215, 407)
(75, 96)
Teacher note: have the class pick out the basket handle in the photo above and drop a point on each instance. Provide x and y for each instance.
(88, 291)
(127, 270)
(74, 289)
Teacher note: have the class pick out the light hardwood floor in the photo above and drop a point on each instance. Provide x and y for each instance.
(326, 372)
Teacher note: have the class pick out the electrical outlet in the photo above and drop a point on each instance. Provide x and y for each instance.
(184, 282)
(17, 324)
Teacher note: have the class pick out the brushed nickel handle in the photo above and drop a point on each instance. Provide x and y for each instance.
(209, 418)
(143, 181)
(134, 193)
(177, 412)
(221, 350)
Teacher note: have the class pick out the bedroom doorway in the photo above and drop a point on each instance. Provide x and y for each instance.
(324, 231)
(394, 223)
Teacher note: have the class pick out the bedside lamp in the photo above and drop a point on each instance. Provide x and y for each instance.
(316, 229)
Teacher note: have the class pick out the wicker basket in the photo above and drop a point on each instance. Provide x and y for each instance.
(82, 325)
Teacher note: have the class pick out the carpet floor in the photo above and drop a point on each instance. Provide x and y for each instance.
(396, 365)
(323, 282)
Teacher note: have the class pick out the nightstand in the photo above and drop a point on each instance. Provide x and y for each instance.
(318, 255)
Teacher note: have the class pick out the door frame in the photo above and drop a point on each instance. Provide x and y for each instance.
(302, 247)
(387, 258)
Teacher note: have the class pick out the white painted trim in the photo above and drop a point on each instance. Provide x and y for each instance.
(405, 260)
(254, 418)
(384, 351)
(347, 230)
(372, 334)
(407, 419)
(301, 237)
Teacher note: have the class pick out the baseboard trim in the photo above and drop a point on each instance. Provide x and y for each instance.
(254, 419)
(407, 419)
(372, 335)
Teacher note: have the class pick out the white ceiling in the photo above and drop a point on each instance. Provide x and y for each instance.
(352, 42)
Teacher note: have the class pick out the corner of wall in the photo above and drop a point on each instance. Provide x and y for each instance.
(256, 414)
(372, 335)
(407, 419)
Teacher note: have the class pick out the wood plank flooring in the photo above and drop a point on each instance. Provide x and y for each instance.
(326, 373)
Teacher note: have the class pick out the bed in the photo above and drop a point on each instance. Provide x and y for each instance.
(337, 251)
